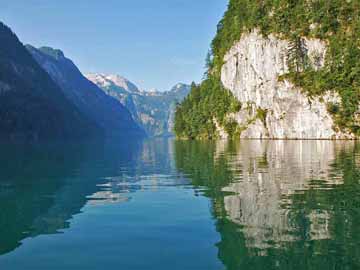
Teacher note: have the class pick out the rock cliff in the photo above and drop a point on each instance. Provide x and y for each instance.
(271, 107)
(279, 69)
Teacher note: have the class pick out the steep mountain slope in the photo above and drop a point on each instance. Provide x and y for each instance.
(32, 107)
(154, 111)
(280, 69)
(106, 111)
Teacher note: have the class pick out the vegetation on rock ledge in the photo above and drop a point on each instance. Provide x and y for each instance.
(336, 21)
(195, 115)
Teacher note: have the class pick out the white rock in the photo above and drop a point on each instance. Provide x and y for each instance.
(251, 70)
(106, 80)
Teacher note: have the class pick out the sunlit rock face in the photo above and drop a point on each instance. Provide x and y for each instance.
(251, 72)
(271, 172)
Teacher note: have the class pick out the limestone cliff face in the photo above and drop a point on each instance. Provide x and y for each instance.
(251, 72)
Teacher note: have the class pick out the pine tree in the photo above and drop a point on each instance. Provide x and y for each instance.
(297, 54)
(208, 64)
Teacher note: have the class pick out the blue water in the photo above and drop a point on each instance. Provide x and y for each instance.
(163, 204)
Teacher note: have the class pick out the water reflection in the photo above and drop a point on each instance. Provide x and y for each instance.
(274, 204)
(271, 173)
(43, 186)
(280, 204)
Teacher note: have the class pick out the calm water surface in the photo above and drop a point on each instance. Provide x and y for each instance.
(165, 204)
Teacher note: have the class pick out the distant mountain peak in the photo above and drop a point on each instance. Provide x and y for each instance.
(33, 107)
(153, 91)
(109, 115)
(179, 87)
(152, 109)
(56, 53)
(106, 80)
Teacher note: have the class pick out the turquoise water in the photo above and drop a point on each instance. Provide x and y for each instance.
(165, 204)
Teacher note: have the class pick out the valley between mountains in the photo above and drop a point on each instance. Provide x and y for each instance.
(44, 96)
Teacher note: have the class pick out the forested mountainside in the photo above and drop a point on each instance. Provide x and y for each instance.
(32, 107)
(106, 111)
(279, 69)
(153, 111)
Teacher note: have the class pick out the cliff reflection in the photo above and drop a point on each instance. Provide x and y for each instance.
(289, 198)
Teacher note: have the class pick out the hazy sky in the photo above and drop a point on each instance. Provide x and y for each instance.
(154, 43)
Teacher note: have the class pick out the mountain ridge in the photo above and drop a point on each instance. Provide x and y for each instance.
(154, 111)
(32, 107)
(106, 111)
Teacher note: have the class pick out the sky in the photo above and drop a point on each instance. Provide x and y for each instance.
(154, 43)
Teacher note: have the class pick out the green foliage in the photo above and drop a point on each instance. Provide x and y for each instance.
(213, 167)
(336, 21)
(195, 115)
(199, 160)
(333, 108)
(297, 59)
(261, 114)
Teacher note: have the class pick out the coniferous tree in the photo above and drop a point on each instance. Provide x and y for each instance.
(297, 54)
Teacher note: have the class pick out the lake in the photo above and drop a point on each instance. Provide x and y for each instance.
(167, 204)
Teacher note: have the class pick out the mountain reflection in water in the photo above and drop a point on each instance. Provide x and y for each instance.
(280, 204)
(43, 186)
(181, 205)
